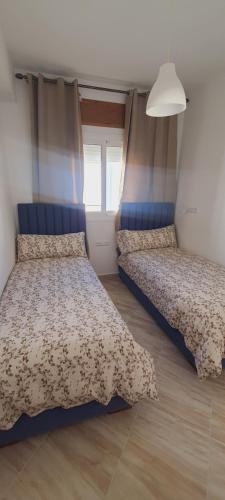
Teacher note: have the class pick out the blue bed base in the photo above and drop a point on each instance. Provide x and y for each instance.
(173, 334)
(49, 420)
(141, 216)
(47, 218)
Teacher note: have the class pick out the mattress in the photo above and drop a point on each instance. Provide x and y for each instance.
(63, 342)
(189, 291)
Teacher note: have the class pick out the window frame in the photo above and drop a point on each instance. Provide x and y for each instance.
(102, 136)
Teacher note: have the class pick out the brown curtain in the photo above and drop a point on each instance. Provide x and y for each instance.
(57, 141)
(149, 159)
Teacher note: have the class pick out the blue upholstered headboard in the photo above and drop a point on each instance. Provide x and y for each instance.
(140, 216)
(47, 218)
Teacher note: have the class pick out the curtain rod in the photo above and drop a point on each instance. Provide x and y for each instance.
(20, 76)
(81, 85)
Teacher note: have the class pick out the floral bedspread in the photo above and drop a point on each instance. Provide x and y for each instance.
(63, 343)
(189, 291)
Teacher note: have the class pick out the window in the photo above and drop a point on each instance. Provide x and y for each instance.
(102, 169)
(113, 174)
(92, 177)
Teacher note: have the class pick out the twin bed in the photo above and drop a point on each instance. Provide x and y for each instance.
(66, 354)
(185, 293)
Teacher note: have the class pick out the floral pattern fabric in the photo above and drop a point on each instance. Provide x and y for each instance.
(35, 246)
(63, 342)
(189, 291)
(132, 241)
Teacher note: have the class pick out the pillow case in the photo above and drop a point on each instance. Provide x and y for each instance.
(35, 246)
(132, 241)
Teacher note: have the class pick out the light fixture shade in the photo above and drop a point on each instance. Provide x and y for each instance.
(167, 96)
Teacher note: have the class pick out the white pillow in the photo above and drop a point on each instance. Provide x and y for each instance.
(34, 246)
(132, 241)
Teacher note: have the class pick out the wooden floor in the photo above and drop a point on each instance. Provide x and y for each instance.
(173, 449)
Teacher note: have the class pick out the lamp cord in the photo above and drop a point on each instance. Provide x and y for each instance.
(171, 9)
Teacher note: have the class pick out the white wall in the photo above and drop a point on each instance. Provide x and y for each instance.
(7, 227)
(200, 211)
(15, 172)
(16, 139)
(102, 242)
(7, 234)
(6, 80)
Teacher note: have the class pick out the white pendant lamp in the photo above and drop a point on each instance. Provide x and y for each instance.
(167, 96)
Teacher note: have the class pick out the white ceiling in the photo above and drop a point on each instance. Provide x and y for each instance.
(122, 40)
